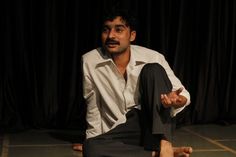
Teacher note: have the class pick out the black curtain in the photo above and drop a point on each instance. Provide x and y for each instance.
(43, 41)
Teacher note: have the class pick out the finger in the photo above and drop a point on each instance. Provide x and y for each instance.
(162, 96)
(178, 91)
(170, 99)
(164, 100)
(167, 100)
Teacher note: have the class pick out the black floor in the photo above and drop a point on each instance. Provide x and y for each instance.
(206, 140)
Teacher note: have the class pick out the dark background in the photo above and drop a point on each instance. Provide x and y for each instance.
(40, 77)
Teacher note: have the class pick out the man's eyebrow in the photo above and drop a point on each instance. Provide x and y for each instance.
(119, 25)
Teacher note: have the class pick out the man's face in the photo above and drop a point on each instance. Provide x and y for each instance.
(116, 36)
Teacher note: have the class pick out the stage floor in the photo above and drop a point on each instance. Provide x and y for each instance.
(207, 141)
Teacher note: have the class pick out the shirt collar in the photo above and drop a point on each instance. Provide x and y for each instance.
(136, 58)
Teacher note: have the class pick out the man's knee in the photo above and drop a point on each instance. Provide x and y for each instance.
(154, 73)
(152, 68)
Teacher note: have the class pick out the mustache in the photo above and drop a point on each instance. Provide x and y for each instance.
(111, 41)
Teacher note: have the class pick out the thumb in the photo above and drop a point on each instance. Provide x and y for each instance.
(178, 91)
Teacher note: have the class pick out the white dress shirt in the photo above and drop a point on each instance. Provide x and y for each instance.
(109, 96)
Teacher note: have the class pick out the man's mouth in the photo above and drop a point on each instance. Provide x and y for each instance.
(112, 43)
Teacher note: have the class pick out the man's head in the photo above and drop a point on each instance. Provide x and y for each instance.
(118, 31)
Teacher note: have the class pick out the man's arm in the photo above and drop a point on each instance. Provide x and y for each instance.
(179, 97)
(92, 99)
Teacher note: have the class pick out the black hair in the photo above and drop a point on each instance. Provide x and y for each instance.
(126, 16)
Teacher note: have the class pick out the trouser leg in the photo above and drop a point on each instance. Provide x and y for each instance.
(156, 118)
(122, 141)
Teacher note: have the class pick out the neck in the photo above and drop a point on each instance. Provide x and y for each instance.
(122, 59)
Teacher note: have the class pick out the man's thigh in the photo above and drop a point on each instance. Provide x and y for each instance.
(124, 140)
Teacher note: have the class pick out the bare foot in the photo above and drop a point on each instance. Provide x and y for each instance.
(168, 151)
(155, 154)
(182, 151)
(77, 147)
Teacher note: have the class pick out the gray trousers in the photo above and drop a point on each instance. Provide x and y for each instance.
(144, 128)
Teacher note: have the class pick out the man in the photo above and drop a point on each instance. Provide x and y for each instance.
(131, 95)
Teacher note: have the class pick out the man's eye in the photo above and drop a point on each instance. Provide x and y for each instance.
(119, 30)
(105, 30)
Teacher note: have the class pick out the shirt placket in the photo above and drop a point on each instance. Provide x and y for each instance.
(127, 90)
(122, 85)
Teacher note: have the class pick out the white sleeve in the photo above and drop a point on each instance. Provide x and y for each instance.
(176, 83)
(91, 95)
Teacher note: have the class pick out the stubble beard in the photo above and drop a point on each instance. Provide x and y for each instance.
(116, 51)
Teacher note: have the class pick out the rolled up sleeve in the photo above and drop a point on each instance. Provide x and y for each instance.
(176, 83)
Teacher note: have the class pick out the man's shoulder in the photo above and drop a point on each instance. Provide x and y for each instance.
(95, 55)
(91, 54)
(146, 52)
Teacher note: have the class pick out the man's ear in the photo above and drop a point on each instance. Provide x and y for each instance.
(132, 36)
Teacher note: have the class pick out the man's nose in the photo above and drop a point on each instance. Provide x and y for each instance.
(111, 33)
